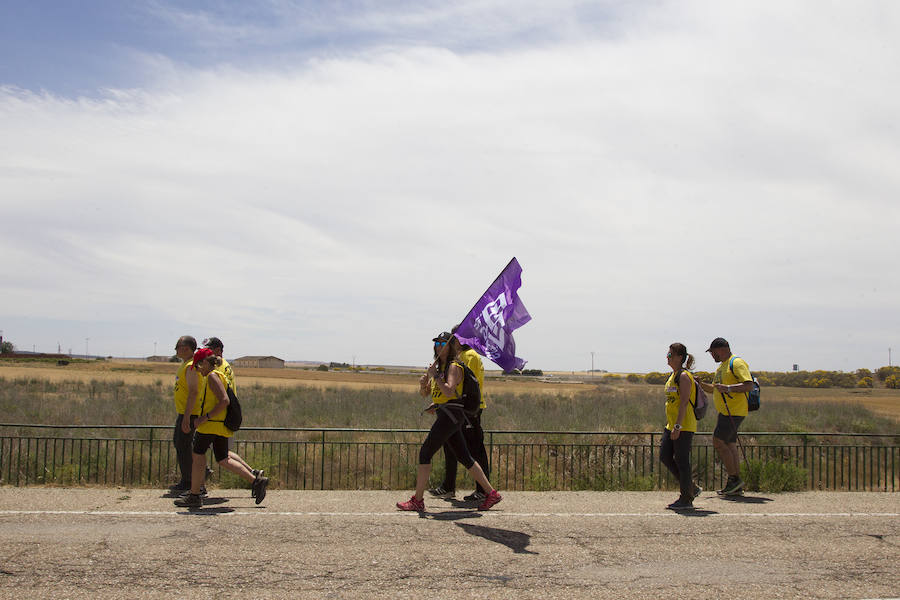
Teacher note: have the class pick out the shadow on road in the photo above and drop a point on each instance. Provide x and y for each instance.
(514, 540)
(210, 512)
(744, 499)
(451, 515)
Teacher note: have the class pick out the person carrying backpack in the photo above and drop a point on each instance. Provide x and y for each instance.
(731, 385)
(211, 431)
(444, 382)
(681, 424)
(473, 434)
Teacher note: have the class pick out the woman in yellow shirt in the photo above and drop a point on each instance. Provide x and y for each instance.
(211, 431)
(675, 448)
(444, 383)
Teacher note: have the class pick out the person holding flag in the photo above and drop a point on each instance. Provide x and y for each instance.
(444, 383)
(473, 434)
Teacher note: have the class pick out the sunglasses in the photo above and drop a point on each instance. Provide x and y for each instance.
(440, 344)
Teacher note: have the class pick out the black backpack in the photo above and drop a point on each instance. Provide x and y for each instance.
(471, 391)
(752, 395)
(233, 416)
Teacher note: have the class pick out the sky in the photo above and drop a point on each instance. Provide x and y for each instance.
(340, 181)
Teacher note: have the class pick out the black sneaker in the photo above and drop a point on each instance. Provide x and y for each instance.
(257, 472)
(203, 493)
(697, 490)
(189, 501)
(728, 484)
(681, 504)
(180, 487)
(475, 496)
(442, 492)
(258, 490)
(734, 487)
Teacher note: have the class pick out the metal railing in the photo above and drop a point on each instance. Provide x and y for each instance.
(344, 458)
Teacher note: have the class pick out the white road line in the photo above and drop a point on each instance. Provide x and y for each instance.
(216, 511)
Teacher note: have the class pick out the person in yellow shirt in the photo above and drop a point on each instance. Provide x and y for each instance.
(731, 384)
(681, 425)
(185, 394)
(473, 433)
(443, 381)
(211, 431)
(218, 348)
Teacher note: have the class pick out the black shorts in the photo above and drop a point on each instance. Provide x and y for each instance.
(219, 443)
(725, 431)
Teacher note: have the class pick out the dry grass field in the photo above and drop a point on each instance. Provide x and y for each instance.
(147, 373)
(881, 401)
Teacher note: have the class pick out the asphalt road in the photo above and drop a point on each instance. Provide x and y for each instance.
(133, 543)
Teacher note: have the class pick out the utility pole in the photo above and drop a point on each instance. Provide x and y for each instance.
(86, 340)
(592, 364)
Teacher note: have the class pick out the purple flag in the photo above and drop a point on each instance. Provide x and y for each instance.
(489, 325)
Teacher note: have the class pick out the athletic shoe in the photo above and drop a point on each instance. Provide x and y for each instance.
(697, 490)
(189, 501)
(681, 504)
(412, 504)
(258, 490)
(734, 488)
(475, 496)
(491, 499)
(203, 493)
(180, 487)
(440, 492)
(257, 472)
(728, 484)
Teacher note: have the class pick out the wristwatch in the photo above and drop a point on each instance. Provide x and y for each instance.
(676, 427)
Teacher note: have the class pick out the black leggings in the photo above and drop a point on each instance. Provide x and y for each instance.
(676, 455)
(443, 431)
(474, 436)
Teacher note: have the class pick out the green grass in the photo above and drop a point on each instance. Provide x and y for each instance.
(604, 408)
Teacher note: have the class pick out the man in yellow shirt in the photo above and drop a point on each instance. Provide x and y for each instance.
(185, 393)
(731, 384)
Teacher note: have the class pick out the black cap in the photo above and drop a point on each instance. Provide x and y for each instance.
(444, 336)
(213, 342)
(718, 343)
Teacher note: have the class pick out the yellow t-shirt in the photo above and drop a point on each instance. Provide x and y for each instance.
(438, 397)
(673, 404)
(471, 359)
(226, 370)
(207, 402)
(737, 403)
(181, 389)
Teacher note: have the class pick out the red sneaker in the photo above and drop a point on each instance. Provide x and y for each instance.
(413, 504)
(491, 499)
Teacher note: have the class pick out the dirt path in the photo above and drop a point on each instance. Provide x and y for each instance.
(121, 543)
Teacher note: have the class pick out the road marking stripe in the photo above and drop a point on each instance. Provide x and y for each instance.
(214, 510)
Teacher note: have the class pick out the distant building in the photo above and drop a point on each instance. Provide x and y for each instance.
(259, 362)
(159, 358)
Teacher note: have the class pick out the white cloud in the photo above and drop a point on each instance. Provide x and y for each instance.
(703, 172)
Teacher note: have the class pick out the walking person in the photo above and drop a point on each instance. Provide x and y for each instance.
(473, 433)
(444, 383)
(681, 424)
(187, 384)
(731, 384)
(211, 431)
(218, 348)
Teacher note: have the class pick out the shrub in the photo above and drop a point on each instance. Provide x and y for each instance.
(656, 378)
(885, 372)
(322, 368)
(773, 476)
(893, 382)
(633, 378)
(864, 382)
